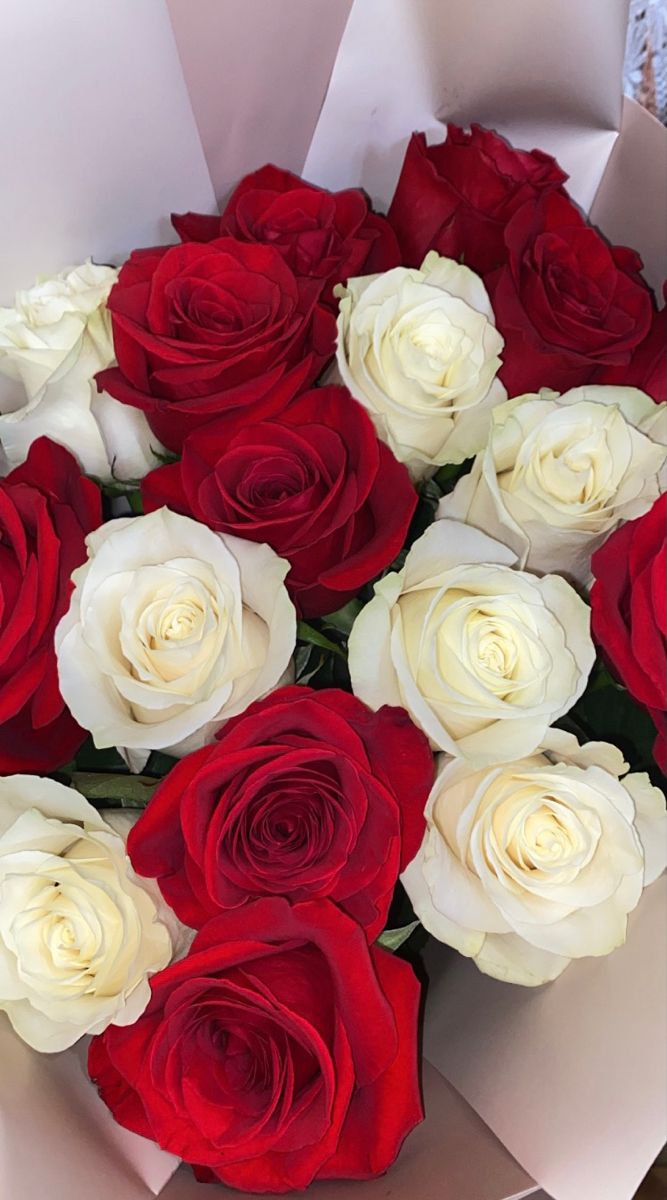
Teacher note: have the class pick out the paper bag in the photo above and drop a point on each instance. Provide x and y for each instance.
(122, 113)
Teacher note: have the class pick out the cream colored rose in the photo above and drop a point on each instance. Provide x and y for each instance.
(53, 342)
(79, 935)
(171, 630)
(483, 657)
(419, 349)
(559, 473)
(527, 866)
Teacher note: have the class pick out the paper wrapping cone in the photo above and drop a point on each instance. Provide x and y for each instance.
(58, 1141)
(101, 143)
(121, 113)
(572, 1077)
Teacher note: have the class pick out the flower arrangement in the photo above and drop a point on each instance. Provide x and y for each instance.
(332, 552)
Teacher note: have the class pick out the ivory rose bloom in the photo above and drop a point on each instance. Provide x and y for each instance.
(53, 341)
(79, 936)
(59, 322)
(527, 866)
(419, 349)
(171, 630)
(483, 657)
(559, 473)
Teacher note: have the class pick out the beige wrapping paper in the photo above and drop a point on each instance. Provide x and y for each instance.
(109, 131)
(542, 74)
(46, 1102)
(572, 1077)
(257, 73)
(98, 141)
(631, 202)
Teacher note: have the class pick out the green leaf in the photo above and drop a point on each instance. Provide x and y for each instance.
(447, 476)
(136, 502)
(601, 678)
(398, 563)
(306, 633)
(391, 939)
(424, 516)
(607, 712)
(307, 662)
(165, 456)
(115, 488)
(127, 489)
(129, 791)
(344, 618)
(302, 657)
(341, 674)
(89, 758)
(430, 493)
(159, 764)
(324, 677)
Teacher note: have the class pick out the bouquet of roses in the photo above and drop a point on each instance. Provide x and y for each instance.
(332, 582)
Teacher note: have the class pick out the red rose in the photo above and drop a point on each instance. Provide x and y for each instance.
(313, 482)
(566, 302)
(647, 368)
(629, 611)
(329, 236)
(308, 794)
(201, 330)
(46, 510)
(282, 1049)
(457, 197)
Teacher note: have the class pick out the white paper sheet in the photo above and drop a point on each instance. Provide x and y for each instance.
(546, 75)
(257, 72)
(58, 1141)
(572, 1077)
(47, 1102)
(98, 143)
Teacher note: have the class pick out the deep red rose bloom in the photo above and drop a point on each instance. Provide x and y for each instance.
(566, 302)
(46, 509)
(647, 368)
(329, 236)
(282, 1049)
(313, 482)
(201, 330)
(458, 196)
(307, 794)
(629, 611)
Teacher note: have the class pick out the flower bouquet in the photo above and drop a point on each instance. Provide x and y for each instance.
(333, 635)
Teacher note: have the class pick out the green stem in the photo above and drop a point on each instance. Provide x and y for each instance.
(126, 789)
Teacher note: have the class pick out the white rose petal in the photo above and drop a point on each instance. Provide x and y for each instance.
(559, 474)
(650, 822)
(79, 935)
(55, 323)
(53, 342)
(419, 349)
(171, 630)
(484, 657)
(527, 866)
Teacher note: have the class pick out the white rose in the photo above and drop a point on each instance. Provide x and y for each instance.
(419, 349)
(559, 473)
(171, 630)
(53, 342)
(79, 936)
(483, 657)
(57, 323)
(526, 867)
